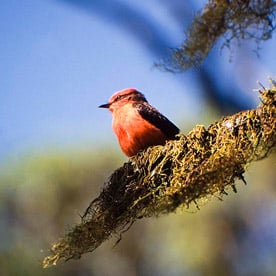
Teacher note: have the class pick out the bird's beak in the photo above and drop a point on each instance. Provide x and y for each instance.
(104, 105)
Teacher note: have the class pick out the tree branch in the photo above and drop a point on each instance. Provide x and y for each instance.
(235, 19)
(204, 163)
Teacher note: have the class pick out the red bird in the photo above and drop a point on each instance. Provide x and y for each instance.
(136, 123)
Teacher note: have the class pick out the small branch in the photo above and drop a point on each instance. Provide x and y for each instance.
(239, 19)
(204, 163)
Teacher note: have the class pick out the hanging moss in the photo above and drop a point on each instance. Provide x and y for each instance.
(203, 164)
(234, 19)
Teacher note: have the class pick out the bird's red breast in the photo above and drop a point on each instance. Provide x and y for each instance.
(136, 123)
(133, 132)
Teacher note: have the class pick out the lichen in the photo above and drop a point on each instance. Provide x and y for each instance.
(203, 164)
(235, 19)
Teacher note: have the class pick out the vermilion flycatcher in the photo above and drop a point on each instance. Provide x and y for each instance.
(136, 123)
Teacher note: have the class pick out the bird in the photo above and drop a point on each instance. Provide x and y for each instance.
(136, 123)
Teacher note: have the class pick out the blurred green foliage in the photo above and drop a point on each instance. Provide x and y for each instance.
(42, 194)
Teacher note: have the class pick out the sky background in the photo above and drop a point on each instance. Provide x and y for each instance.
(60, 60)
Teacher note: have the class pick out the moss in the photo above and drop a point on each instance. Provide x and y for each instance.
(235, 19)
(203, 164)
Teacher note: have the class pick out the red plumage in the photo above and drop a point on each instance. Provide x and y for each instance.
(136, 123)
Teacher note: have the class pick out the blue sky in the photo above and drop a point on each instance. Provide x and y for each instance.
(59, 62)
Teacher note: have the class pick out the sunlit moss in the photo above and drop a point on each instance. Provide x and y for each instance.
(239, 19)
(203, 164)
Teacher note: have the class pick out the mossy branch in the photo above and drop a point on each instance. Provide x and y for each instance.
(157, 181)
(234, 19)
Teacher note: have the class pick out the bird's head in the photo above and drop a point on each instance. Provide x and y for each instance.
(122, 97)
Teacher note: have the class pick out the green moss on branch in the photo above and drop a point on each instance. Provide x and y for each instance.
(157, 181)
(234, 19)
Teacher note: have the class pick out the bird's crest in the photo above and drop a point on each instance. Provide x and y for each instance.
(129, 94)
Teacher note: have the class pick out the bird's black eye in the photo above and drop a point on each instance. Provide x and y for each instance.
(118, 98)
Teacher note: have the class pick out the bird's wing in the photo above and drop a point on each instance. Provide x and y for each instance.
(153, 116)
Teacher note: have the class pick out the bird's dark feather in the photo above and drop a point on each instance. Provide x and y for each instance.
(153, 116)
